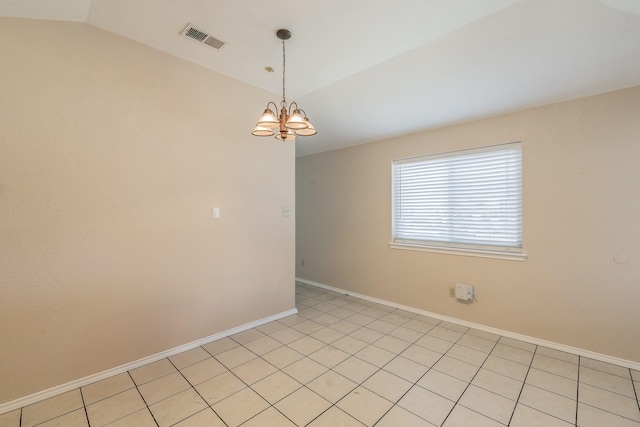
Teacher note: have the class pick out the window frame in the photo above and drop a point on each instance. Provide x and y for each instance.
(507, 252)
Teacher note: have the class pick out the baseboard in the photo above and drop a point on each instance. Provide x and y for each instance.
(63, 388)
(537, 341)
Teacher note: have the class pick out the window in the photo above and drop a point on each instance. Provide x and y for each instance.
(469, 201)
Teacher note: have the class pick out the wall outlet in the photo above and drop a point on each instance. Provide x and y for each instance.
(464, 292)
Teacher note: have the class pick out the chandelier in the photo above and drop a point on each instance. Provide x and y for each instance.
(292, 120)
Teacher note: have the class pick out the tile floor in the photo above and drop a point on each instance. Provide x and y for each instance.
(343, 361)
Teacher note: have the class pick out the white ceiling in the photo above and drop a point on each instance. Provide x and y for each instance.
(365, 70)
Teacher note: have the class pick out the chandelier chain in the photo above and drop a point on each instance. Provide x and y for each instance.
(284, 99)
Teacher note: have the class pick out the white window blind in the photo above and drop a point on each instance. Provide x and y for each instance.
(464, 199)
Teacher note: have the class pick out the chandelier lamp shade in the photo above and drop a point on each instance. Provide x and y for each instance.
(291, 121)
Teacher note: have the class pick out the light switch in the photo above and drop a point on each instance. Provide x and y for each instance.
(216, 213)
(285, 212)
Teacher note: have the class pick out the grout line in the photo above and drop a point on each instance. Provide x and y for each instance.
(84, 405)
(142, 397)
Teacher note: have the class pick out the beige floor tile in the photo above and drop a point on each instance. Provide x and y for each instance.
(276, 387)
(549, 403)
(106, 388)
(367, 335)
(557, 354)
(177, 407)
(488, 404)
(308, 312)
(355, 369)
(396, 318)
(421, 324)
(247, 336)
(454, 326)
(505, 367)
(341, 313)
(609, 401)
(254, 370)
(635, 375)
(345, 326)
(201, 371)
(305, 370)
(308, 327)
(556, 366)
(360, 319)
(239, 407)
(220, 346)
(421, 355)
(387, 385)
(10, 419)
(77, 418)
(427, 405)
(282, 357)
(306, 345)
(466, 354)
(445, 334)
(382, 326)
(394, 345)
(364, 405)
(52, 407)
(512, 353)
(302, 406)
(477, 343)
(270, 417)
(150, 372)
(220, 387)
(406, 334)
(326, 319)
(553, 383)
(397, 417)
(206, 417)
(499, 384)
(588, 416)
(605, 367)
(484, 335)
(525, 416)
(334, 417)
(375, 355)
(517, 344)
(327, 335)
(235, 357)
(141, 418)
(329, 356)
(435, 344)
(456, 368)
(271, 327)
(163, 387)
(287, 335)
(349, 344)
(263, 345)
(406, 368)
(443, 384)
(607, 381)
(464, 417)
(115, 407)
(186, 358)
(332, 386)
(292, 320)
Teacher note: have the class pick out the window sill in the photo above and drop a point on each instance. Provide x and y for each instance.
(511, 256)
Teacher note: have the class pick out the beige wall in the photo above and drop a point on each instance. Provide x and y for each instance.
(580, 285)
(112, 156)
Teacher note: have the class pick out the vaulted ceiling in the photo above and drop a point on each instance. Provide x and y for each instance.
(365, 70)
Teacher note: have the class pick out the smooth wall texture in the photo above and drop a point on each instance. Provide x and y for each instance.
(580, 285)
(112, 156)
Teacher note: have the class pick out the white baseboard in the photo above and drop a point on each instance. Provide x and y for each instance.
(63, 388)
(556, 346)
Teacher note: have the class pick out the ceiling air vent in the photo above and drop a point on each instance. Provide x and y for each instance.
(202, 37)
